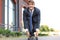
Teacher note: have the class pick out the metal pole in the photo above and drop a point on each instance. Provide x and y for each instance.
(7, 14)
(17, 14)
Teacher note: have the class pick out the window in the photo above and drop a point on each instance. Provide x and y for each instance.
(9, 14)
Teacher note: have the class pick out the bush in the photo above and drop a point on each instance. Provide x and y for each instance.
(18, 33)
(1, 30)
(8, 33)
(45, 28)
(15, 34)
(12, 34)
(43, 34)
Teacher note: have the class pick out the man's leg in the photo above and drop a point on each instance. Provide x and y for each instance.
(29, 35)
(36, 35)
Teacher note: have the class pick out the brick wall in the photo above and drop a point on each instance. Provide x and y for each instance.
(0, 11)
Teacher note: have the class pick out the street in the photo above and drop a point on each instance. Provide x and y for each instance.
(44, 38)
(40, 38)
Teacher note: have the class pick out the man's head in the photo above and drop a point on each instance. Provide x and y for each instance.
(31, 5)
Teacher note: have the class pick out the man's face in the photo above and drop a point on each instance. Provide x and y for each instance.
(31, 6)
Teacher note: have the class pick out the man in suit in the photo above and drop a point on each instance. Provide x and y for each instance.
(31, 19)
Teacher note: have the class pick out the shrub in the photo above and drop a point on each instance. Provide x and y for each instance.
(8, 33)
(12, 34)
(15, 34)
(1, 30)
(43, 34)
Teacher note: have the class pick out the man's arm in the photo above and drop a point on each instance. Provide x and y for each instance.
(25, 20)
(37, 25)
(38, 21)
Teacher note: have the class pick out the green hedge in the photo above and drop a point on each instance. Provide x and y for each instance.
(40, 34)
(15, 34)
(1, 30)
(8, 33)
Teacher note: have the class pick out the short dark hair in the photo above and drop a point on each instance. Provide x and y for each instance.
(31, 2)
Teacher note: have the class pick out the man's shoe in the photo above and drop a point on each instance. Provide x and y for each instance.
(36, 38)
(28, 38)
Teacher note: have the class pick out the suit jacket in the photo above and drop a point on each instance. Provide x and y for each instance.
(35, 18)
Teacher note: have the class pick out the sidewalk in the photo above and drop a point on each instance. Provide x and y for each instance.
(40, 38)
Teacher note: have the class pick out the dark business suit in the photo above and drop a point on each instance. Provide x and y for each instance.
(35, 19)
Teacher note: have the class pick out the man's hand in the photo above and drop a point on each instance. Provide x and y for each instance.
(28, 34)
(36, 33)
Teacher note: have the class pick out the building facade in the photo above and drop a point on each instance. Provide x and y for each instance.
(11, 14)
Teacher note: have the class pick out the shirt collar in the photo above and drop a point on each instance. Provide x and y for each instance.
(32, 10)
